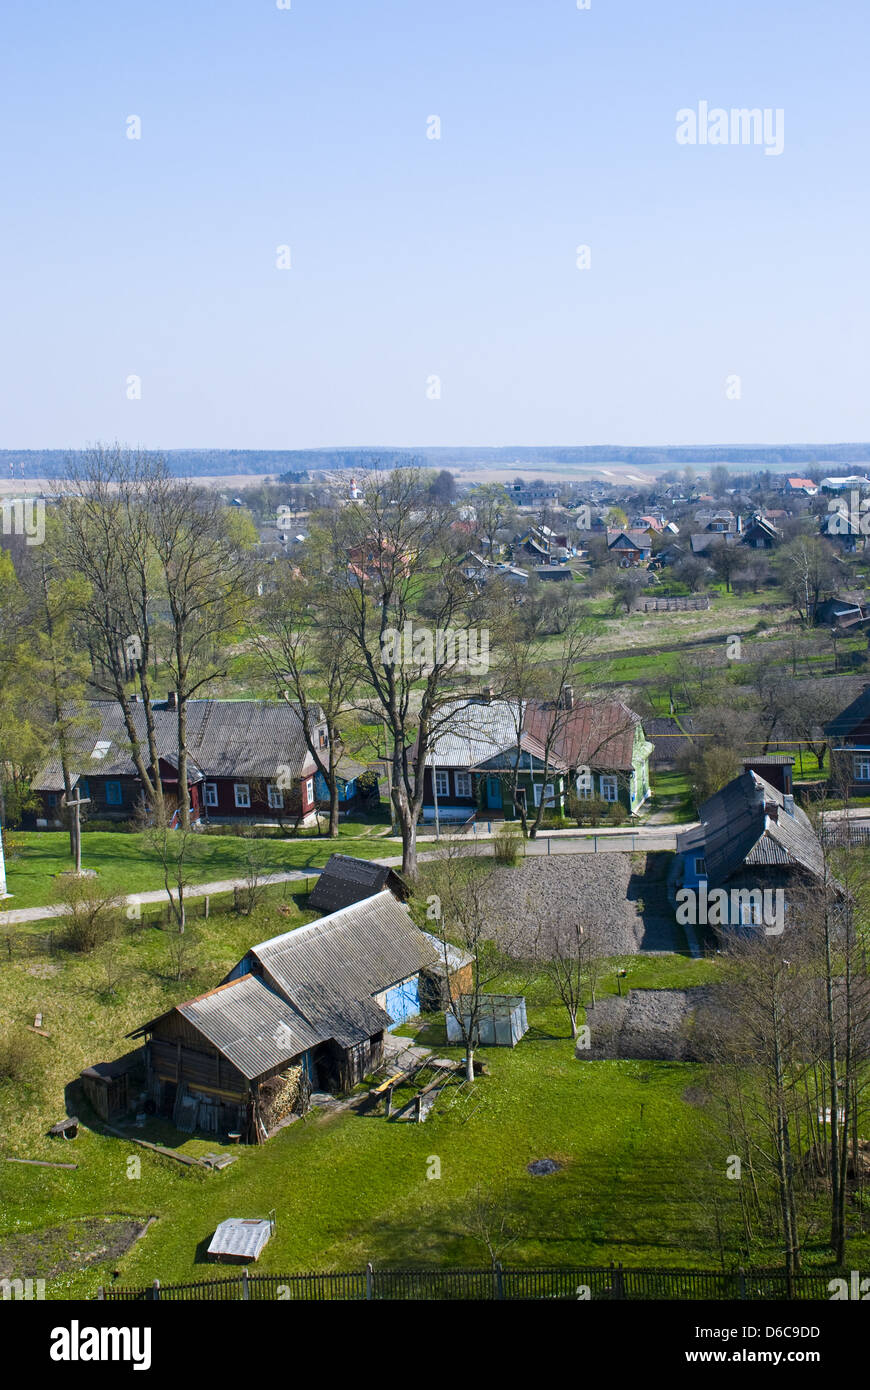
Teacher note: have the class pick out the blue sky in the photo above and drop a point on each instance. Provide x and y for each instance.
(414, 258)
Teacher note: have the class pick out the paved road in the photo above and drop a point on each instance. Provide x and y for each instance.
(646, 838)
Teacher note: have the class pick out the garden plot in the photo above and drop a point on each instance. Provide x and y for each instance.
(621, 897)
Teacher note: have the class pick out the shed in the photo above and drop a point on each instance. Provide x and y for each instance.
(240, 1238)
(346, 880)
(501, 1020)
(112, 1087)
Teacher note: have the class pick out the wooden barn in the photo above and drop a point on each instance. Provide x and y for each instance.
(229, 1060)
(346, 880)
(304, 1011)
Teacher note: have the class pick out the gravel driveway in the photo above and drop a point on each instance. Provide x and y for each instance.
(621, 897)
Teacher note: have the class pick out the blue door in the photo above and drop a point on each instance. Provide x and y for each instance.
(403, 1001)
(493, 793)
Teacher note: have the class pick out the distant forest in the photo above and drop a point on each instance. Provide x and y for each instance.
(50, 463)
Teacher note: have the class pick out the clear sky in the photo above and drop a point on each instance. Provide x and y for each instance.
(413, 258)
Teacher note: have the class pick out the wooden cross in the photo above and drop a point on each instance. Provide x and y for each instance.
(76, 807)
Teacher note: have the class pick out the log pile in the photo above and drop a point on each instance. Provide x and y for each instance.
(281, 1095)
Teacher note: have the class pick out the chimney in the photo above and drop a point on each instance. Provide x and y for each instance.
(739, 524)
(172, 700)
(568, 697)
(788, 804)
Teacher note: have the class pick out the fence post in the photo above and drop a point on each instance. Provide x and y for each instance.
(155, 1291)
(370, 1281)
(101, 1293)
(499, 1282)
(205, 907)
(246, 1293)
(741, 1276)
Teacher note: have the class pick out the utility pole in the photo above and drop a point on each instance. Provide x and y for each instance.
(75, 807)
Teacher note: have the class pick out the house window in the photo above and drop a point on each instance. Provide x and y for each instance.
(83, 787)
(276, 797)
(113, 794)
(609, 790)
(749, 914)
(242, 794)
(322, 737)
(700, 867)
(309, 791)
(584, 785)
(549, 796)
(442, 784)
(463, 783)
(862, 767)
(210, 794)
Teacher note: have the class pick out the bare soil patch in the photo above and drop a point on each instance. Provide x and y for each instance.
(621, 897)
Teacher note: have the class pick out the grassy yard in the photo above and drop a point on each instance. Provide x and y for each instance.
(633, 1139)
(125, 863)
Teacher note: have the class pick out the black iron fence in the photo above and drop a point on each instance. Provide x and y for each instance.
(577, 1283)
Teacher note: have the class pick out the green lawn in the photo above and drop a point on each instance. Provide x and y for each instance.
(125, 864)
(635, 1143)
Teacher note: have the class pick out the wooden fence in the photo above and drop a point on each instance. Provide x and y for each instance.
(576, 1283)
(681, 604)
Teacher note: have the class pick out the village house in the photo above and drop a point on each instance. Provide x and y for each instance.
(752, 840)
(629, 548)
(761, 534)
(301, 1012)
(246, 759)
(483, 745)
(844, 612)
(849, 733)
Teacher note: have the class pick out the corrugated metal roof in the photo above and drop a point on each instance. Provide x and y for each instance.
(225, 738)
(330, 969)
(250, 1025)
(470, 732)
(241, 1237)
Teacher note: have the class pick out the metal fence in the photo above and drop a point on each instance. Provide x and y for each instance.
(579, 1282)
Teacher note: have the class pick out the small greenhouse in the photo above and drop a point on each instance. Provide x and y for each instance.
(501, 1020)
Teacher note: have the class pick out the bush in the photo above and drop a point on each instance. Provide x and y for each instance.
(506, 844)
(92, 914)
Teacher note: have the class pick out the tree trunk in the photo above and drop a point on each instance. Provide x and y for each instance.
(333, 808)
(469, 1063)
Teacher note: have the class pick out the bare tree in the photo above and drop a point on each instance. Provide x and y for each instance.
(383, 550)
(206, 572)
(569, 955)
(299, 648)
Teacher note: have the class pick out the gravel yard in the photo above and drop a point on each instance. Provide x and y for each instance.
(620, 896)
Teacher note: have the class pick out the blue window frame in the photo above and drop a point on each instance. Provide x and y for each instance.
(114, 795)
